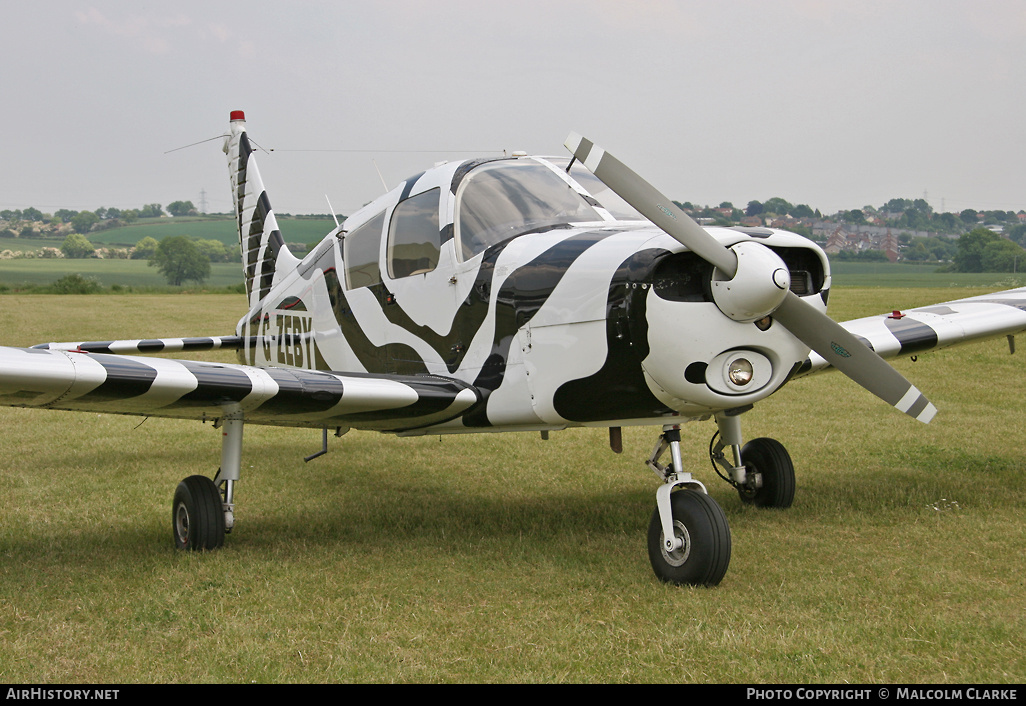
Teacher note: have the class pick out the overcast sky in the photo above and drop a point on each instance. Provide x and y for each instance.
(834, 104)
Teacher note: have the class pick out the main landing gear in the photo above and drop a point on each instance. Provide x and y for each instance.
(688, 537)
(203, 509)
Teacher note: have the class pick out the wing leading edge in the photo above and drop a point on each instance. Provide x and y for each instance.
(163, 387)
(935, 326)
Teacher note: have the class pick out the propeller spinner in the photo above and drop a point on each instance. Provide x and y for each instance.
(753, 282)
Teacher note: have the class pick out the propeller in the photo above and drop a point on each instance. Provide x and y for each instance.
(765, 284)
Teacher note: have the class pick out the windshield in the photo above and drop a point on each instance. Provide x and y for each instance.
(502, 199)
(609, 199)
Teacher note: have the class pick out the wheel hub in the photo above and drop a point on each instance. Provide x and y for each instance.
(182, 524)
(677, 557)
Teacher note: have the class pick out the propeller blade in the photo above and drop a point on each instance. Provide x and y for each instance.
(849, 355)
(650, 203)
(814, 328)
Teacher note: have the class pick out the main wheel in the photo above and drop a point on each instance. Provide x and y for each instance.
(769, 458)
(700, 522)
(197, 514)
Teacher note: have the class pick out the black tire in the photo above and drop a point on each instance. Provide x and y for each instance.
(770, 458)
(705, 556)
(197, 515)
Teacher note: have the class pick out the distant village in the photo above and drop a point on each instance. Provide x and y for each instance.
(904, 229)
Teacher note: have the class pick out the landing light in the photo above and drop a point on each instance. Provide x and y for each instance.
(740, 372)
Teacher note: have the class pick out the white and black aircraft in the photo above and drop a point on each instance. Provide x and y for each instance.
(513, 294)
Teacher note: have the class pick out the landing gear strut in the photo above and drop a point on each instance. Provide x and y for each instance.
(203, 510)
(761, 472)
(688, 537)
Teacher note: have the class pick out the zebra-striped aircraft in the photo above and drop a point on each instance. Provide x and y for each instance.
(513, 294)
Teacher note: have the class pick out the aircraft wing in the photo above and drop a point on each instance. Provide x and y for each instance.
(163, 387)
(937, 326)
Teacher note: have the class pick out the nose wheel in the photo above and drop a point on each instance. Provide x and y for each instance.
(688, 537)
(704, 552)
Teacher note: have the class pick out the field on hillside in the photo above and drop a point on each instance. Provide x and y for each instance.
(505, 558)
(294, 230)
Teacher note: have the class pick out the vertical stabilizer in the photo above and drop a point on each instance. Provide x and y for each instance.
(264, 255)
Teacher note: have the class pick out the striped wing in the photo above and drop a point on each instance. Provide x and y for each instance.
(937, 326)
(162, 387)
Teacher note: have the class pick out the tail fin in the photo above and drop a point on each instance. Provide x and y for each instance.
(264, 254)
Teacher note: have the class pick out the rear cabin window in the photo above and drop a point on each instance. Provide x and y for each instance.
(414, 240)
(361, 248)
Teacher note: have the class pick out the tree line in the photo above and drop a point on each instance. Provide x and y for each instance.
(84, 222)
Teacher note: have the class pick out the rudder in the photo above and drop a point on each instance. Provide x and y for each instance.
(264, 254)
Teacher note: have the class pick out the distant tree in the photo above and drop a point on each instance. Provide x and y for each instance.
(946, 221)
(896, 206)
(145, 248)
(778, 206)
(181, 208)
(31, 214)
(754, 208)
(803, 211)
(1017, 234)
(179, 260)
(918, 252)
(65, 214)
(77, 246)
(853, 216)
(1003, 256)
(84, 221)
(969, 257)
(151, 210)
(214, 250)
(968, 216)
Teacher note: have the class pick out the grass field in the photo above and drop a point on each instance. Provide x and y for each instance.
(504, 558)
(127, 273)
(294, 230)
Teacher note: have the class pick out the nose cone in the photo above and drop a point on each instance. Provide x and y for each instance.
(758, 287)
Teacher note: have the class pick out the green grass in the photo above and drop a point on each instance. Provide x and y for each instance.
(15, 274)
(294, 230)
(887, 274)
(504, 558)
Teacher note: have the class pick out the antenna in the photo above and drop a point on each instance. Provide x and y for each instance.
(379, 174)
(332, 210)
(203, 200)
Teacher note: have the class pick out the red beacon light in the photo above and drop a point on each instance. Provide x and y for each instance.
(238, 115)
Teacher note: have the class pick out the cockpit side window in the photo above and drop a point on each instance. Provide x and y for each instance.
(500, 200)
(360, 252)
(414, 240)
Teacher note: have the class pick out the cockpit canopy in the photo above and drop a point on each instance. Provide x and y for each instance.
(495, 200)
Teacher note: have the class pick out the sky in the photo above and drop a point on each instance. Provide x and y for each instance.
(833, 104)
